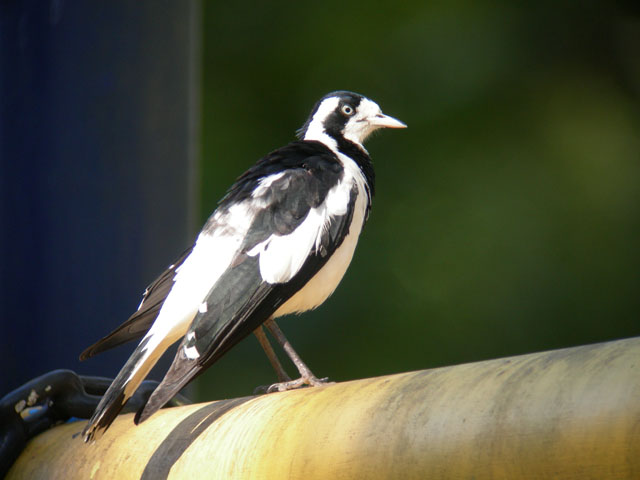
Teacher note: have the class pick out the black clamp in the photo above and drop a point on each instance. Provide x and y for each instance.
(54, 398)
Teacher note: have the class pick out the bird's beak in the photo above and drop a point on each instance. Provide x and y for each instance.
(385, 121)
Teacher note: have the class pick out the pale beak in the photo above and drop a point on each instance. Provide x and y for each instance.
(385, 121)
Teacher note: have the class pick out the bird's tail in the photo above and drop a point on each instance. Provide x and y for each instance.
(145, 356)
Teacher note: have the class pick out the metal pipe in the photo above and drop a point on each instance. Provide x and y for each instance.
(564, 414)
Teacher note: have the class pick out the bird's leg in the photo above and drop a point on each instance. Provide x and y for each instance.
(306, 376)
(271, 355)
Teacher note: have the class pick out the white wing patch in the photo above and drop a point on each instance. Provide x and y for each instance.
(191, 352)
(265, 183)
(282, 256)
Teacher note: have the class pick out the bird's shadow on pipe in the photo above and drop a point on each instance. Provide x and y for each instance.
(183, 435)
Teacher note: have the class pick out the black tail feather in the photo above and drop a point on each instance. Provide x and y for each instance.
(115, 397)
(102, 419)
(181, 372)
(132, 329)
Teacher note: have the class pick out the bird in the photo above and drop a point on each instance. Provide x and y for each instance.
(279, 242)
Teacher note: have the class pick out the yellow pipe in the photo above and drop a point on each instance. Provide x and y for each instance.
(564, 414)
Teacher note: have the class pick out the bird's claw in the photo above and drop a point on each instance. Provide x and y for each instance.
(310, 381)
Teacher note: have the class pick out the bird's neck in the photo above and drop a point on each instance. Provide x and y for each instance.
(355, 151)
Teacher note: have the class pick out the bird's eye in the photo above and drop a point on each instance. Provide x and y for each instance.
(347, 110)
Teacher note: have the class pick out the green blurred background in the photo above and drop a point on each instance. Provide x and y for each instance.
(507, 216)
(506, 219)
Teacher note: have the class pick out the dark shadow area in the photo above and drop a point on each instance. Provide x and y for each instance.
(95, 173)
(184, 434)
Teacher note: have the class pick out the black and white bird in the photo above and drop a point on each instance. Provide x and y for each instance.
(279, 242)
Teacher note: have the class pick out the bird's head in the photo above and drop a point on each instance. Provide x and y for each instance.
(345, 115)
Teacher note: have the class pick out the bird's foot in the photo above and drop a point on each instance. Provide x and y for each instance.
(304, 381)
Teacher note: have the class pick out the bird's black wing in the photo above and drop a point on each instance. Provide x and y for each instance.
(241, 300)
(139, 323)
